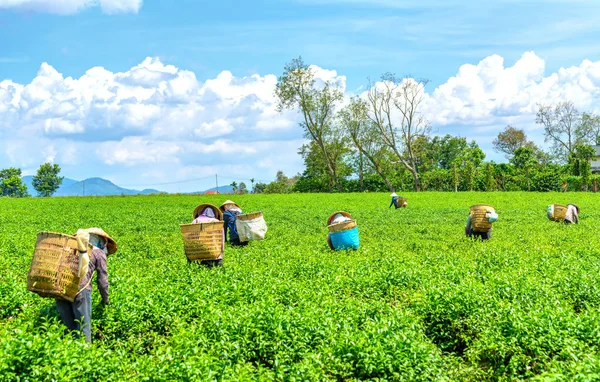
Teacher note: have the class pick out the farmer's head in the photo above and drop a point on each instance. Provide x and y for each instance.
(228, 205)
(98, 242)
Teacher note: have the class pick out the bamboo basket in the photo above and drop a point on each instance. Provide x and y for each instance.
(478, 219)
(202, 241)
(343, 226)
(250, 216)
(559, 214)
(401, 202)
(343, 213)
(54, 270)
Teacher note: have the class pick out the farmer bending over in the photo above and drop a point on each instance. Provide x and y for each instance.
(572, 216)
(230, 211)
(471, 232)
(396, 201)
(77, 315)
(208, 214)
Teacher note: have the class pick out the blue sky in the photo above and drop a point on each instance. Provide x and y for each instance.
(357, 39)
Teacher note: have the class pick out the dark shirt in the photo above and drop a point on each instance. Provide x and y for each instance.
(97, 264)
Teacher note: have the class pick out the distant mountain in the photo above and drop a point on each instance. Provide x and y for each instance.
(89, 187)
(28, 179)
(222, 190)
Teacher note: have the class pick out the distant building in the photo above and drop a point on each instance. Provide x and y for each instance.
(212, 192)
(595, 162)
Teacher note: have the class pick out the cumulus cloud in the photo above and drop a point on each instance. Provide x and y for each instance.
(490, 92)
(69, 7)
(156, 120)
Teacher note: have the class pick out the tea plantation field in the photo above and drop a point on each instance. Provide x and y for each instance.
(418, 301)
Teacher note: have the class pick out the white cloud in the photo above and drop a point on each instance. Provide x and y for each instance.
(68, 7)
(156, 121)
(490, 92)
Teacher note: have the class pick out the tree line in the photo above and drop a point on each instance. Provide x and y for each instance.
(382, 141)
(45, 182)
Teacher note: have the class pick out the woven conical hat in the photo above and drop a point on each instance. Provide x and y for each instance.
(112, 244)
(201, 207)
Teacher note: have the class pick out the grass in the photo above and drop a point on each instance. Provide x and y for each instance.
(418, 301)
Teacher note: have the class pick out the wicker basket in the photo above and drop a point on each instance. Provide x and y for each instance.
(54, 267)
(250, 216)
(401, 202)
(202, 241)
(559, 213)
(479, 221)
(343, 226)
(343, 213)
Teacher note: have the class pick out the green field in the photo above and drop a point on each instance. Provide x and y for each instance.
(418, 301)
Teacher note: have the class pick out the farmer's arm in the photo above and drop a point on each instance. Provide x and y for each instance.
(102, 277)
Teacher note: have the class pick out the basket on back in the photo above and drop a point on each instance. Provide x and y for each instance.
(251, 226)
(479, 218)
(54, 270)
(343, 235)
(401, 202)
(557, 212)
(202, 241)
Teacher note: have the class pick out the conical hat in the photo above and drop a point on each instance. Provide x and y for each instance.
(343, 213)
(229, 202)
(111, 245)
(394, 194)
(201, 207)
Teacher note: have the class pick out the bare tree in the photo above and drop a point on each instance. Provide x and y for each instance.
(395, 110)
(562, 128)
(296, 89)
(591, 128)
(365, 136)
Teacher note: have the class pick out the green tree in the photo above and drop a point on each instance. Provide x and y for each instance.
(47, 181)
(11, 183)
(277, 188)
(280, 177)
(355, 123)
(524, 160)
(315, 164)
(259, 188)
(490, 181)
(510, 139)
(296, 89)
(252, 182)
(468, 175)
(580, 163)
(455, 176)
(242, 189)
(234, 185)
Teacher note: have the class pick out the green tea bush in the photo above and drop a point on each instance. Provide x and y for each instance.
(417, 301)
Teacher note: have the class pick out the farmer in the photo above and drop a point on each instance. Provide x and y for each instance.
(396, 201)
(572, 216)
(471, 232)
(206, 213)
(337, 218)
(77, 315)
(230, 211)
